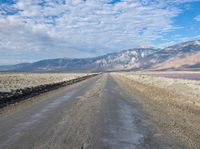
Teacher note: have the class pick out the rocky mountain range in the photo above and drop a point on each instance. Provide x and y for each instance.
(177, 57)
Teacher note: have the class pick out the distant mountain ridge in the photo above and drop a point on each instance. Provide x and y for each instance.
(180, 56)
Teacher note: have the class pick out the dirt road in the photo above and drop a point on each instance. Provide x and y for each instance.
(93, 114)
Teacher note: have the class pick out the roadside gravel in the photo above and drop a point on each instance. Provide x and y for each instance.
(174, 103)
(14, 81)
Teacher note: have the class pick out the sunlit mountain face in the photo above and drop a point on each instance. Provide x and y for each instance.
(33, 30)
(178, 57)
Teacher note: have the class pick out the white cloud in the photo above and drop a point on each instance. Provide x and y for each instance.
(91, 26)
(197, 18)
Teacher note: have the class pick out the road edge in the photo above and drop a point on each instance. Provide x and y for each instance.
(29, 93)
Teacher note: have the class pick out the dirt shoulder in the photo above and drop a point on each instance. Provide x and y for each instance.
(174, 104)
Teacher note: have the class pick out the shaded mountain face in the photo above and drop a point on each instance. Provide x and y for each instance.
(180, 56)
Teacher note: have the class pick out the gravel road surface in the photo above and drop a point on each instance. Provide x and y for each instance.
(93, 114)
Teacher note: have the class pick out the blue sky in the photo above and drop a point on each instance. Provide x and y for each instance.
(32, 30)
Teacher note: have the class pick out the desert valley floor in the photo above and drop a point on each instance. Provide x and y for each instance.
(107, 111)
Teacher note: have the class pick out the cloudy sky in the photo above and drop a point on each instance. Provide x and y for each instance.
(32, 30)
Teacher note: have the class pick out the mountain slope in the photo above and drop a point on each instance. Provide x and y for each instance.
(180, 56)
(186, 61)
(174, 57)
(124, 60)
